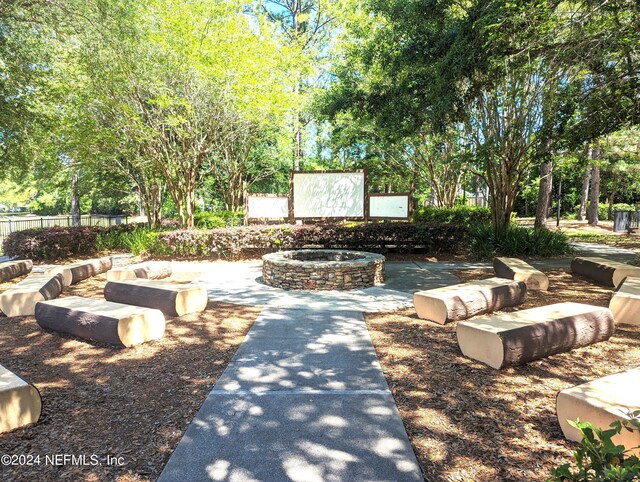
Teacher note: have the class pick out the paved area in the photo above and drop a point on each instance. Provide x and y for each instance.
(241, 283)
(304, 399)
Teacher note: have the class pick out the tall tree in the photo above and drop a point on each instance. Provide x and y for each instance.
(305, 24)
(171, 79)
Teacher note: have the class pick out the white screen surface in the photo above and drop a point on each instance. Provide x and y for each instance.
(329, 195)
(394, 207)
(267, 207)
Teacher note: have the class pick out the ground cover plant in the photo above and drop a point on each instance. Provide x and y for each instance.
(469, 422)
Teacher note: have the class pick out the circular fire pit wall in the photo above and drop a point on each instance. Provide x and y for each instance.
(322, 269)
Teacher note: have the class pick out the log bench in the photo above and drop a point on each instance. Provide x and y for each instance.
(74, 273)
(21, 298)
(173, 299)
(602, 270)
(100, 320)
(516, 269)
(462, 301)
(13, 269)
(625, 302)
(146, 270)
(20, 402)
(602, 402)
(511, 339)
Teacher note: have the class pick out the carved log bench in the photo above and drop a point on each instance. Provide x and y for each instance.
(146, 270)
(511, 339)
(173, 299)
(103, 321)
(13, 269)
(74, 273)
(601, 402)
(625, 302)
(20, 402)
(21, 298)
(516, 269)
(462, 301)
(602, 270)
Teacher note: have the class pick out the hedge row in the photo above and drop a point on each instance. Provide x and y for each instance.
(49, 244)
(235, 242)
(243, 242)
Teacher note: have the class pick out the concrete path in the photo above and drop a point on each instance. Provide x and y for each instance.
(304, 399)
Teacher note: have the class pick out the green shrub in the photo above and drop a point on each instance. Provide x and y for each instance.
(139, 241)
(517, 241)
(599, 459)
(460, 215)
(49, 244)
(215, 219)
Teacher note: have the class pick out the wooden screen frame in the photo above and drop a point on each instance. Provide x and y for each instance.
(390, 194)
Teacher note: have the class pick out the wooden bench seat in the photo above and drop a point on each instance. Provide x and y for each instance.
(601, 402)
(602, 270)
(13, 269)
(20, 402)
(462, 301)
(510, 339)
(21, 298)
(103, 321)
(173, 299)
(625, 302)
(74, 273)
(516, 269)
(146, 270)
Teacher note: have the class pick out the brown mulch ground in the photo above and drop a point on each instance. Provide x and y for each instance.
(468, 422)
(99, 400)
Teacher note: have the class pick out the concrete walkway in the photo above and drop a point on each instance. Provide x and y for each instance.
(304, 399)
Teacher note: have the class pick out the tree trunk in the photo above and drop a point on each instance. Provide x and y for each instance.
(582, 213)
(544, 194)
(75, 201)
(595, 196)
(611, 200)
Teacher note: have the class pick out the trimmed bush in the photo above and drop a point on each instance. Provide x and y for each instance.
(517, 241)
(460, 215)
(243, 242)
(59, 242)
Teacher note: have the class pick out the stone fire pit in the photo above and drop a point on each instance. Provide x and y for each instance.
(322, 269)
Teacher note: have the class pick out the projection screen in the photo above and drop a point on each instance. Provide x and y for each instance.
(389, 206)
(267, 207)
(329, 194)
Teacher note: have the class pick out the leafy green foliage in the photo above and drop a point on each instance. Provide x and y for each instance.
(458, 215)
(215, 219)
(599, 459)
(60, 242)
(517, 241)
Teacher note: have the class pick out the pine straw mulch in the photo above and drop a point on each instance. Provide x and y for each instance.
(133, 403)
(468, 422)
